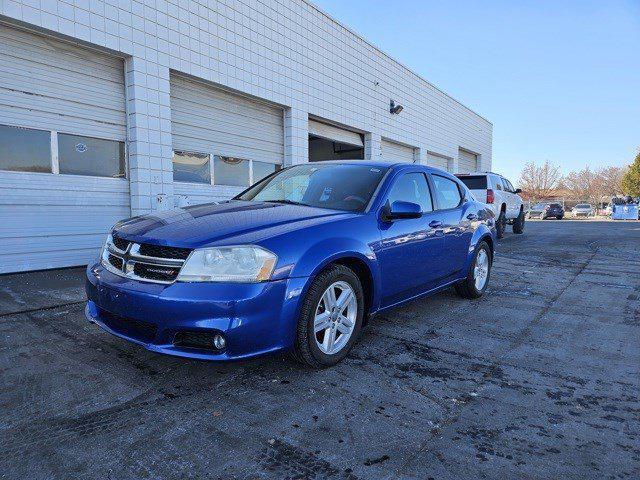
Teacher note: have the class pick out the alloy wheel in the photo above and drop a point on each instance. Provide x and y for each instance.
(481, 269)
(335, 317)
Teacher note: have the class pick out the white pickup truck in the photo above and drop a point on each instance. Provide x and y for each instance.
(499, 195)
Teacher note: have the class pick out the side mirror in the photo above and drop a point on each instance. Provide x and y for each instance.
(401, 210)
(518, 190)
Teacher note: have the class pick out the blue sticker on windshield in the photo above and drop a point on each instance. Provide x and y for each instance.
(326, 194)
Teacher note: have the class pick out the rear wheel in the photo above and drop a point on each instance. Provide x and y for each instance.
(330, 318)
(501, 224)
(518, 224)
(558, 217)
(474, 285)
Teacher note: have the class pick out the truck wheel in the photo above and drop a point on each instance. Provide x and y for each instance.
(518, 224)
(501, 224)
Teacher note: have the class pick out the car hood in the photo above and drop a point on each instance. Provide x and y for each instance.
(202, 225)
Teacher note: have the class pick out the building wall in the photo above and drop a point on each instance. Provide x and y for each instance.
(287, 52)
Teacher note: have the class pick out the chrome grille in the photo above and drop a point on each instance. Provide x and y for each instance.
(164, 252)
(120, 243)
(133, 260)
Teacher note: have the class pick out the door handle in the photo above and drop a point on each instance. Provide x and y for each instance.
(472, 216)
(435, 224)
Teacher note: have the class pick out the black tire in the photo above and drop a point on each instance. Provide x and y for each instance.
(518, 223)
(501, 224)
(305, 349)
(467, 287)
(558, 217)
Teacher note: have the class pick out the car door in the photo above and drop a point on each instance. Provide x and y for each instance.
(515, 200)
(510, 197)
(411, 249)
(451, 207)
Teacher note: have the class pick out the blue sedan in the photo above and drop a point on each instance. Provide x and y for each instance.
(298, 262)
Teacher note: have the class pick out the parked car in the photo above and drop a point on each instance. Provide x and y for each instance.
(543, 211)
(498, 193)
(298, 262)
(583, 210)
(536, 211)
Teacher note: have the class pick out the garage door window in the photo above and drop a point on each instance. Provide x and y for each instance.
(192, 167)
(263, 169)
(96, 157)
(231, 171)
(25, 149)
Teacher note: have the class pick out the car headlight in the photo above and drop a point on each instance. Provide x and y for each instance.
(228, 264)
(103, 250)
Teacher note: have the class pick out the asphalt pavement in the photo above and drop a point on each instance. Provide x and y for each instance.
(538, 379)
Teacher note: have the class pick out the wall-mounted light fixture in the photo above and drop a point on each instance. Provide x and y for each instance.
(393, 108)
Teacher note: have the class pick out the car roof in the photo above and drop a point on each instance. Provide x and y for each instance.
(381, 163)
(366, 163)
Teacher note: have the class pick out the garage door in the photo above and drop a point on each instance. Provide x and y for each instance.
(395, 152)
(62, 151)
(439, 161)
(467, 161)
(222, 142)
(329, 142)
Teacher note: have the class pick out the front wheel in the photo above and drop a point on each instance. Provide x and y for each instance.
(330, 318)
(474, 285)
(518, 224)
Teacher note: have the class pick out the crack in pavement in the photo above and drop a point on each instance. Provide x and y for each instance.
(41, 309)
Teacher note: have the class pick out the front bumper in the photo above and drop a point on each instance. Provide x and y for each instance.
(255, 318)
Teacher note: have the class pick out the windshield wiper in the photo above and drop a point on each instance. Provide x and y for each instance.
(286, 202)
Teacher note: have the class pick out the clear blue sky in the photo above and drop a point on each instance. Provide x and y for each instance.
(559, 80)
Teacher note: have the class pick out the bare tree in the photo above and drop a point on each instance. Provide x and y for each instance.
(594, 186)
(582, 184)
(610, 181)
(539, 181)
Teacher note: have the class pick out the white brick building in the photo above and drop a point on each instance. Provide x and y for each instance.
(117, 107)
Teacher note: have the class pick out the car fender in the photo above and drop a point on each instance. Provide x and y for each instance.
(321, 254)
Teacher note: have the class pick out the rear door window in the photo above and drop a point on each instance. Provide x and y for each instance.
(447, 192)
(507, 185)
(474, 182)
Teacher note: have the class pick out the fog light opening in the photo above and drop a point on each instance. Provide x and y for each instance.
(219, 342)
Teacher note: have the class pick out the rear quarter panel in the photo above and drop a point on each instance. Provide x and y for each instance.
(484, 228)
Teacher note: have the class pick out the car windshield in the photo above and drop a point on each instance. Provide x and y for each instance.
(583, 205)
(337, 186)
